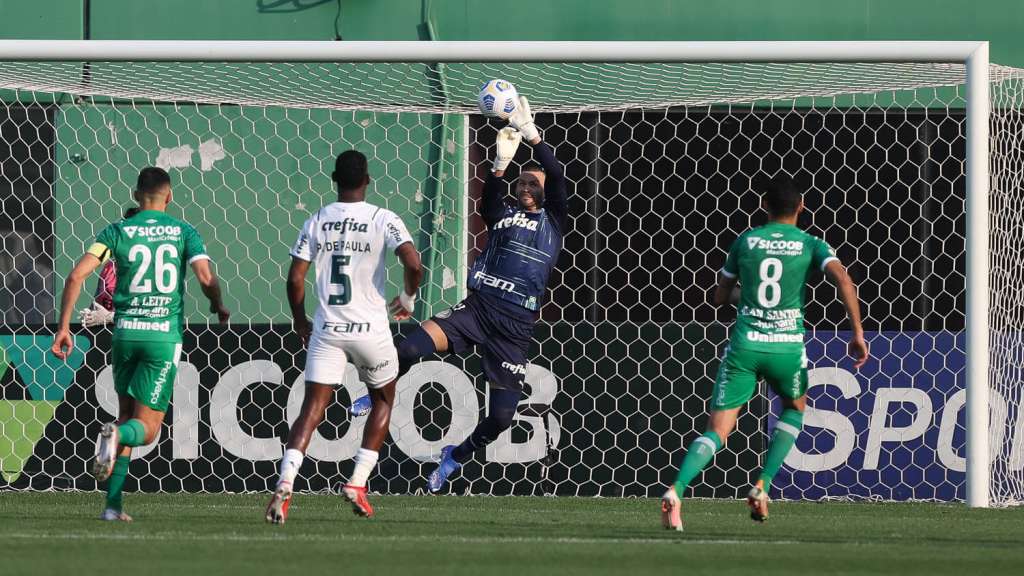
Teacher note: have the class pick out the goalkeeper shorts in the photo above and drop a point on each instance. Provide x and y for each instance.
(785, 373)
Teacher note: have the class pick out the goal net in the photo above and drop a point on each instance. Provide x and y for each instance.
(663, 162)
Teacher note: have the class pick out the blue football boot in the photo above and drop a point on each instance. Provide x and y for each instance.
(439, 477)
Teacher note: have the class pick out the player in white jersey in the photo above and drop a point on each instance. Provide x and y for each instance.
(348, 242)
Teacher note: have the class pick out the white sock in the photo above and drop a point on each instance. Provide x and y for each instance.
(365, 461)
(290, 465)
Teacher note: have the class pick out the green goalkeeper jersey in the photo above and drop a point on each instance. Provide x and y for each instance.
(151, 251)
(773, 263)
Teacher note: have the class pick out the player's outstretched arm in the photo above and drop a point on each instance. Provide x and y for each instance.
(404, 304)
(211, 288)
(555, 194)
(62, 341)
(296, 286)
(837, 275)
(492, 205)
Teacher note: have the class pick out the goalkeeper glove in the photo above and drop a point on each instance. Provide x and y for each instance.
(507, 144)
(522, 120)
(95, 315)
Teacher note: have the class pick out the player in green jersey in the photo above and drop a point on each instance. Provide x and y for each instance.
(151, 251)
(771, 264)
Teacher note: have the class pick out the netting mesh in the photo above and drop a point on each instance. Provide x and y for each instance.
(663, 161)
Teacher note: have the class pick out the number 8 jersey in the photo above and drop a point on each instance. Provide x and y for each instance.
(773, 263)
(150, 251)
(348, 243)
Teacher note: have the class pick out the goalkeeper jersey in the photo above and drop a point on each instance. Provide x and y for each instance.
(151, 251)
(773, 263)
(348, 243)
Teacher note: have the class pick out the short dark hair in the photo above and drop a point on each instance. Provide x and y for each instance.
(152, 179)
(532, 167)
(782, 196)
(350, 170)
(131, 212)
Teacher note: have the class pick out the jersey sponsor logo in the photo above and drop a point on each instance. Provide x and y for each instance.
(774, 338)
(394, 233)
(303, 242)
(161, 379)
(784, 245)
(514, 368)
(151, 231)
(446, 313)
(346, 225)
(346, 327)
(494, 281)
(519, 220)
(135, 324)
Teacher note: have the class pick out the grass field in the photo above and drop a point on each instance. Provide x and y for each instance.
(206, 535)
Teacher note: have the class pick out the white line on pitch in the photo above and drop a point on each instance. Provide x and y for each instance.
(183, 536)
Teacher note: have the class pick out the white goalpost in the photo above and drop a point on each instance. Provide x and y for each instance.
(663, 143)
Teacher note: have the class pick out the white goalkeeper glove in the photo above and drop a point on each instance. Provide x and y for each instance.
(95, 315)
(507, 144)
(522, 120)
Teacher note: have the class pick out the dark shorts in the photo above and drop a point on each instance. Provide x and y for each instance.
(503, 335)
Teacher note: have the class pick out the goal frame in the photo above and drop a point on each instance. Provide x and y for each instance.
(973, 54)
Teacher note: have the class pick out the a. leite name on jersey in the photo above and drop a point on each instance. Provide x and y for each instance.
(774, 338)
(133, 324)
(518, 219)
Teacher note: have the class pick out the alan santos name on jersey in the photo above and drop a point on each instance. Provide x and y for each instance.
(348, 244)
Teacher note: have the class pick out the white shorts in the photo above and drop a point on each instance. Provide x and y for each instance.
(375, 359)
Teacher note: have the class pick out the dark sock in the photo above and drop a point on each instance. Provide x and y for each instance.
(501, 410)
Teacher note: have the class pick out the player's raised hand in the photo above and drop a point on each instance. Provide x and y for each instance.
(858, 349)
(522, 120)
(63, 344)
(507, 143)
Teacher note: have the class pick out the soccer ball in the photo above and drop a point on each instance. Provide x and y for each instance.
(498, 99)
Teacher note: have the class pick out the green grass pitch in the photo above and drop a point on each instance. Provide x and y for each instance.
(213, 534)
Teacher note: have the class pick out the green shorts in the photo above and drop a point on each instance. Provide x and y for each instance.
(145, 370)
(737, 376)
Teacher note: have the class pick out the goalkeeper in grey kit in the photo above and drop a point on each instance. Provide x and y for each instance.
(507, 285)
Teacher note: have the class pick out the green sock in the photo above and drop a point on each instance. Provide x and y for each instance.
(116, 483)
(698, 455)
(786, 430)
(132, 433)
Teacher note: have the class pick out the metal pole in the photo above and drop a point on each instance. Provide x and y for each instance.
(475, 51)
(977, 332)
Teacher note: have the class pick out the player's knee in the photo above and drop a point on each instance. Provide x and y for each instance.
(415, 346)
